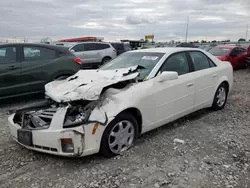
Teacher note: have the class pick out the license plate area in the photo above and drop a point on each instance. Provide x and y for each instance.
(25, 137)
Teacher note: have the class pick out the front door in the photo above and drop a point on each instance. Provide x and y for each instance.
(10, 71)
(174, 98)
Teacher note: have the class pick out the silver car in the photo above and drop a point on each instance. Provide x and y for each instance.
(94, 53)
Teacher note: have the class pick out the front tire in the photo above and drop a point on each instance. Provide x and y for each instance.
(119, 136)
(220, 97)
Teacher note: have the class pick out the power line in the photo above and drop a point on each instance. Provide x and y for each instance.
(187, 29)
(246, 32)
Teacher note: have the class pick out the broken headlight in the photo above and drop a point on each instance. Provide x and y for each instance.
(74, 117)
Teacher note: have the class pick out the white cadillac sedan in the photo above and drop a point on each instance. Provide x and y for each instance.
(105, 110)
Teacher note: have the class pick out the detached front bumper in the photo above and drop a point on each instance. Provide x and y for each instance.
(50, 140)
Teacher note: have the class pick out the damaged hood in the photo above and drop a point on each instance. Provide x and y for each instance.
(88, 84)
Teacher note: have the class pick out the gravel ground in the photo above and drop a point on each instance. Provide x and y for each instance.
(215, 153)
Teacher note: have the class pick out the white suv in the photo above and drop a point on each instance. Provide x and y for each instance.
(94, 53)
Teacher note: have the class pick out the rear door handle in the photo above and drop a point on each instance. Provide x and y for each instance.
(190, 84)
(215, 75)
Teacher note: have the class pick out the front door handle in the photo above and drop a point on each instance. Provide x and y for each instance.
(190, 84)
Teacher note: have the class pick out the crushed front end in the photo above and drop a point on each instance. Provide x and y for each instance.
(53, 129)
(72, 119)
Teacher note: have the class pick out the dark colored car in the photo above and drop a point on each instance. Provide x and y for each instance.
(187, 45)
(26, 67)
(121, 47)
(236, 55)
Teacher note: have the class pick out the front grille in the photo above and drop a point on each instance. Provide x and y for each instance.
(45, 148)
(35, 120)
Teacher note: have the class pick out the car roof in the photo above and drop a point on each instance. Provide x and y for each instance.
(91, 42)
(168, 50)
(50, 46)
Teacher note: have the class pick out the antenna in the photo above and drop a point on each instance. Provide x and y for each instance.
(187, 29)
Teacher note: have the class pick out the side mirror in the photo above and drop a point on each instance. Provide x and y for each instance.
(167, 75)
(73, 51)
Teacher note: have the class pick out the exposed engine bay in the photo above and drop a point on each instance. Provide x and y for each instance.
(78, 110)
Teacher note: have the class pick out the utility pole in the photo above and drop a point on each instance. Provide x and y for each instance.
(187, 29)
(247, 32)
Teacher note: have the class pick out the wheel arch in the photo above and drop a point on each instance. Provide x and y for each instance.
(106, 57)
(227, 83)
(137, 115)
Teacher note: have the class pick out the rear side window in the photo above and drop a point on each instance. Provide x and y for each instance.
(102, 46)
(8, 54)
(90, 47)
(34, 53)
(200, 61)
(78, 48)
(95, 46)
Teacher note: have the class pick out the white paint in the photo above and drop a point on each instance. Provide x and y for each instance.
(158, 102)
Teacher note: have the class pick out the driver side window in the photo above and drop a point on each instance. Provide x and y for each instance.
(235, 52)
(178, 63)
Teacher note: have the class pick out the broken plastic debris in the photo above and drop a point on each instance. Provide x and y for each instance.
(176, 140)
(226, 166)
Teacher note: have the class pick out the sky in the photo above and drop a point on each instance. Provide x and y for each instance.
(124, 19)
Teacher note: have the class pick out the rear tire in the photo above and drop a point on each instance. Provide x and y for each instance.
(119, 136)
(105, 60)
(220, 97)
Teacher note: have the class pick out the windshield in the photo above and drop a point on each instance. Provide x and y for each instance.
(219, 51)
(147, 60)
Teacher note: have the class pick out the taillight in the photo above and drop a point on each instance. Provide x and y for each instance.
(77, 60)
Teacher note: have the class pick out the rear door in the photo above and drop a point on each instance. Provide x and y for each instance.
(205, 76)
(94, 51)
(10, 70)
(35, 60)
